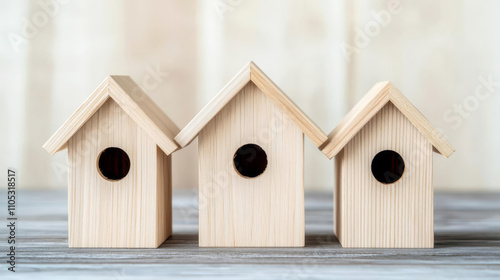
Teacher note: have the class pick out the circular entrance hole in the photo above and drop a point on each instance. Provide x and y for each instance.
(113, 164)
(250, 160)
(388, 167)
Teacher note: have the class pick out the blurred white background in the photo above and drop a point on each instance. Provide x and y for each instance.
(443, 55)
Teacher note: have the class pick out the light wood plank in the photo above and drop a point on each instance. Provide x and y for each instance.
(266, 211)
(251, 73)
(364, 110)
(188, 133)
(133, 100)
(59, 140)
(144, 111)
(114, 214)
(163, 196)
(375, 215)
(287, 105)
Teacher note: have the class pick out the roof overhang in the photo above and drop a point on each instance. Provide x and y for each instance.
(251, 73)
(132, 99)
(371, 104)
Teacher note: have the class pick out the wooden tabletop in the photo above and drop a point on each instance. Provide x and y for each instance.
(467, 245)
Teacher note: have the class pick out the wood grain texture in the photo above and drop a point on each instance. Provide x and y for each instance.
(267, 86)
(118, 214)
(163, 196)
(266, 211)
(467, 246)
(224, 96)
(139, 106)
(251, 73)
(59, 140)
(337, 194)
(131, 98)
(375, 215)
(375, 100)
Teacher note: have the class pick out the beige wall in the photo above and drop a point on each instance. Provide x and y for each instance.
(182, 52)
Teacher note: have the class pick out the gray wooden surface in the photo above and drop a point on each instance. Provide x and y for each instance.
(467, 246)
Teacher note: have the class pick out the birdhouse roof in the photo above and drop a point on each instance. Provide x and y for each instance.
(132, 99)
(250, 73)
(370, 105)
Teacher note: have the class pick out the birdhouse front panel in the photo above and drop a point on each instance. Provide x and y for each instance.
(384, 194)
(119, 184)
(251, 168)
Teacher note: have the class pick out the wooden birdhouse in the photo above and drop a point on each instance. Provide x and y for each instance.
(251, 164)
(383, 166)
(119, 144)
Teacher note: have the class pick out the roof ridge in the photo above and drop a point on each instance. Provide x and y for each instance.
(121, 96)
(376, 98)
(250, 73)
(138, 96)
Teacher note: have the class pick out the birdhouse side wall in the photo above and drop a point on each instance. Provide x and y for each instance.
(371, 214)
(163, 197)
(265, 211)
(113, 214)
(337, 195)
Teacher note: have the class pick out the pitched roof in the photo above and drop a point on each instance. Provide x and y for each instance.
(370, 105)
(132, 99)
(250, 73)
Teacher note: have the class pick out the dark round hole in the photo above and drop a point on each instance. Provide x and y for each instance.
(388, 167)
(250, 160)
(114, 163)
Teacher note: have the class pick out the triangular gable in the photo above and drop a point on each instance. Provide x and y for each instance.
(251, 73)
(370, 105)
(132, 99)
